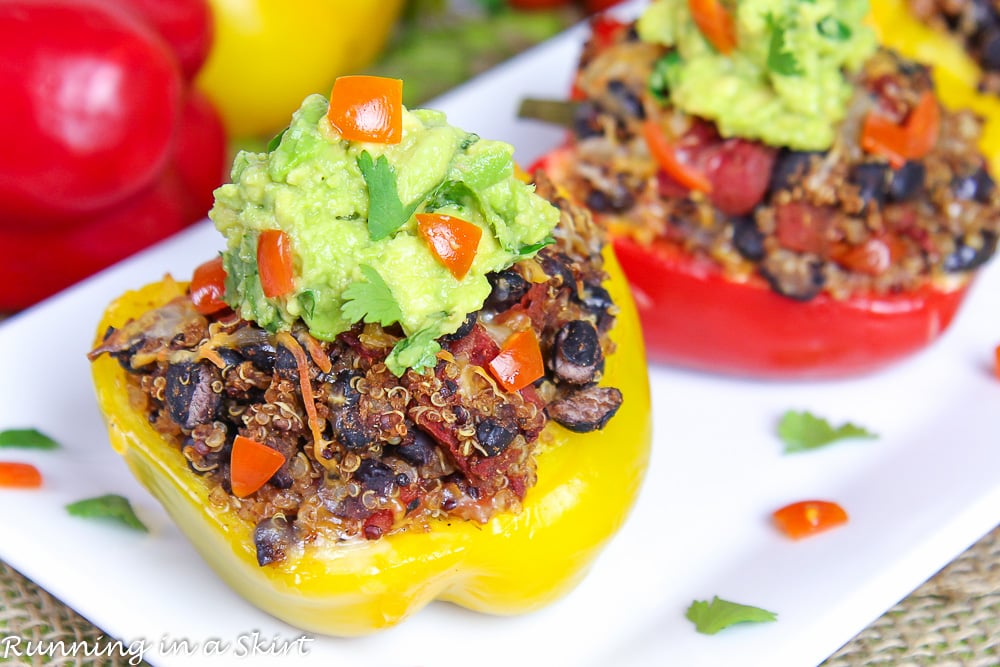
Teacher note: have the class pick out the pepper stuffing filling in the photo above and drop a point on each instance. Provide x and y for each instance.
(366, 452)
(837, 221)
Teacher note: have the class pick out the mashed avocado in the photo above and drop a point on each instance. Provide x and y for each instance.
(339, 203)
(784, 84)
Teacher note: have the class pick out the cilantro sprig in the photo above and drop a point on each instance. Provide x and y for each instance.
(718, 614)
(833, 28)
(386, 213)
(779, 59)
(804, 431)
(26, 438)
(110, 506)
(370, 300)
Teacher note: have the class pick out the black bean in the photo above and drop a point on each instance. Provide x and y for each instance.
(261, 355)
(968, 258)
(576, 354)
(189, 395)
(871, 177)
(402, 479)
(789, 167)
(375, 476)
(907, 181)
(800, 279)
(230, 356)
(493, 436)
(585, 121)
(465, 329)
(341, 392)
(598, 201)
(628, 102)
(285, 365)
(421, 451)
(351, 431)
(587, 409)
(976, 186)
(748, 239)
(559, 265)
(595, 298)
(988, 46)
(508, 288)
(273, 537)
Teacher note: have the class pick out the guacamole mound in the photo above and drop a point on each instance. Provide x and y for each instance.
(348, 209)
(785, 82)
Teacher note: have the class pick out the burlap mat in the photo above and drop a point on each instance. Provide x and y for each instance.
(953, 620)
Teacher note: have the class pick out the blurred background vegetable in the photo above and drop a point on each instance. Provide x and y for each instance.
(121, 116)
(268, 55)
(107, 149)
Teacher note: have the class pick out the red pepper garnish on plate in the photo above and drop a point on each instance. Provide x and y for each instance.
(808, 517)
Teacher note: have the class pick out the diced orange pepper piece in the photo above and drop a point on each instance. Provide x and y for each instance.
(452, 240)
(19, 476)
(715, 23)
(367, 108)
(251, 465)
(274, 263)
(666, 156)
(809, 517)
(519, 362)
(910, 141)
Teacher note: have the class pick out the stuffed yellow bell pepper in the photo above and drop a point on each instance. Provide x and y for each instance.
(955, 73)
(409, 377)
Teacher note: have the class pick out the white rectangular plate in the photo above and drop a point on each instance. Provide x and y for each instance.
(917, 496)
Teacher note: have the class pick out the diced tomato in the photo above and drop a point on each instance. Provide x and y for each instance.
(873, 257)
(208, 286)
(274, 263)
(377, 524)
(803, 227)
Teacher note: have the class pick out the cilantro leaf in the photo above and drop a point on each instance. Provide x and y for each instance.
(276, 140)
(418, 351)
(370, 300)
(386, 213)
(110, 506)
(659, 79)
(803, 431)
(528, 250)
(26, 438)
(719, 614)
(779, 59)
(449, 194)
(832, 28)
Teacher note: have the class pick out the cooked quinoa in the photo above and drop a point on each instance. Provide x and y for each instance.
(394, 452)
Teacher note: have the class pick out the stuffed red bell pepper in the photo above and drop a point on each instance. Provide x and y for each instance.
(787, 199)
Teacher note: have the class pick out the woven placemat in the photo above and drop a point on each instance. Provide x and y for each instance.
(953, 620)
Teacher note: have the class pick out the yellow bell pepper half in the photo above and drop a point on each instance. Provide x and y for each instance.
(266, 56)
(515, 563)
(955, 74)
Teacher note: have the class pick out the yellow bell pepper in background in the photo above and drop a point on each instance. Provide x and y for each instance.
(956, 75)
(587, 483)
(268, 55)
